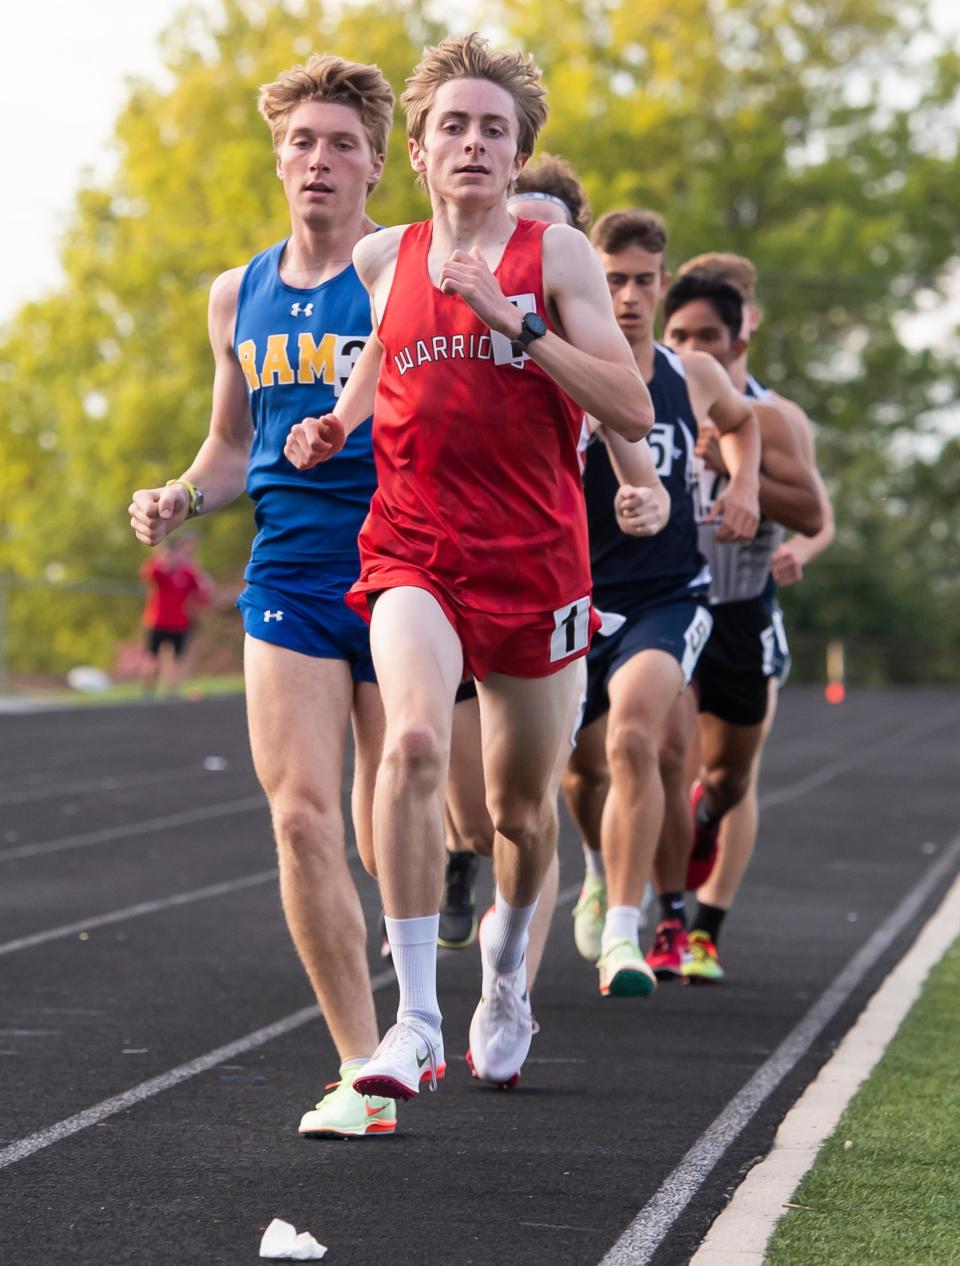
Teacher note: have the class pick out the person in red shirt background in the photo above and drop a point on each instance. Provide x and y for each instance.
(175, 584)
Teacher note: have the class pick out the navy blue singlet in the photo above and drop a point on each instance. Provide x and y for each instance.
(627, 570)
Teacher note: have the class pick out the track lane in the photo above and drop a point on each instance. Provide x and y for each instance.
(849, 847)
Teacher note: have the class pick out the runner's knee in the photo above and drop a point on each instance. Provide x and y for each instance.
(631, 751)
(306, 830)
(475, 835)
(727, 786)
(416, 758)
(578, 781)
(523, 822)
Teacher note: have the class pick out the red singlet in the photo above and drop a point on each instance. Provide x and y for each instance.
(172, 585)
(479, 489)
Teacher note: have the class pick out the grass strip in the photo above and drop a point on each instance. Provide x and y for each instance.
(194, 688)
(885, 1189)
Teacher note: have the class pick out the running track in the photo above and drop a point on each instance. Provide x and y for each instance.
(157, 1044)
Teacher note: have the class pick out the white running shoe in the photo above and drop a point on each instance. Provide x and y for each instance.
(502, 1027)
(405, 1059)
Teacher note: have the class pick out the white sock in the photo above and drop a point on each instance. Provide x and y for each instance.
(414, 946)
(593, 862)
(505, 935)
(621, 923)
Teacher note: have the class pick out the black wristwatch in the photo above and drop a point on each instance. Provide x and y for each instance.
(532, 327)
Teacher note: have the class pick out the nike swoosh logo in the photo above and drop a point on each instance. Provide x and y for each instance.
(372, 1112)
(421, 1062)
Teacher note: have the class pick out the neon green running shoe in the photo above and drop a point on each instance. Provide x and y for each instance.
(703, 965)
(624, 972)
(588, 916)
(344, 1113)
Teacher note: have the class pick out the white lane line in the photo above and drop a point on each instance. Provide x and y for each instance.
(33, 1143)
(131, 829)
(136, 1094)
(790, 791)
(741, 1232)
(136, 911)
(827, 773)
(106, 782)
(643, 1237)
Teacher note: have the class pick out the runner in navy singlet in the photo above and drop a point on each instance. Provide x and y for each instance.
(651, 593)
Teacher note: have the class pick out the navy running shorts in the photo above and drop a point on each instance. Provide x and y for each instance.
(740, 658)
(680, 626)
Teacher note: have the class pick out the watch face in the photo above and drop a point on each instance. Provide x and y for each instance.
(533, 323)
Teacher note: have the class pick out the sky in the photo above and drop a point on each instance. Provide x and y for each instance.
(63, 73)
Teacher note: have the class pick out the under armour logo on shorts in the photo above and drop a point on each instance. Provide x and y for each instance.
(272, 615)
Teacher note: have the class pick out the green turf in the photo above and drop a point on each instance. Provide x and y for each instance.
(131, 691)
(885, 1190)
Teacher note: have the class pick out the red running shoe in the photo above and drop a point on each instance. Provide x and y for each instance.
(671, 950)
(706, 843)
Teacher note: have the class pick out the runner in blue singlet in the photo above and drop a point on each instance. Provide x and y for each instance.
(286, 330)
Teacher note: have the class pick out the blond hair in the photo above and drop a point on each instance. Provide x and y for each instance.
(735, 270)
(329, 78)
(617, 230)
(556, 177)
(470, 57)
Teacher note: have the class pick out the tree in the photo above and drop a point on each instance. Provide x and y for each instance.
(778, 130)
(105, 386)
(781, 131)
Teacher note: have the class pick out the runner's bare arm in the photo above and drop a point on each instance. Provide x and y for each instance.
(642, 504)
(789, 491)
(794, 554)
(712, 392)
(314, 440)
(788, 487)
(592, 362)
(220, 466)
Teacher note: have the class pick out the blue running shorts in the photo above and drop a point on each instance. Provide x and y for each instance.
(303, 609)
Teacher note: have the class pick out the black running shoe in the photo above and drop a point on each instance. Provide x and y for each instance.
(458, 915)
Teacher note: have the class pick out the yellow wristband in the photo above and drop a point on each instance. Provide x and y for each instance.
(193, 492)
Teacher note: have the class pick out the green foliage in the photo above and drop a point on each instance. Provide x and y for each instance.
(773, 129)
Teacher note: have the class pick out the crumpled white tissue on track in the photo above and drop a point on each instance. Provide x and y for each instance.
(280, 1240)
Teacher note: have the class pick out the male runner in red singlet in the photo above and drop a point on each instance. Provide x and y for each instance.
(493, 337)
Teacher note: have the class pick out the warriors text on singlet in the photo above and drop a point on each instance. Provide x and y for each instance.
(476, 450)
(296, 349)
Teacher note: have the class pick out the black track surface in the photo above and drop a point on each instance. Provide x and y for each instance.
(615, 1092)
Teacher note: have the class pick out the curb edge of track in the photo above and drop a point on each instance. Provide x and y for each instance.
(740, 1234)
(643, 1237)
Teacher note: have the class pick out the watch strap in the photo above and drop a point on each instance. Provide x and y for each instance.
(526, 336)
(193, 493)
